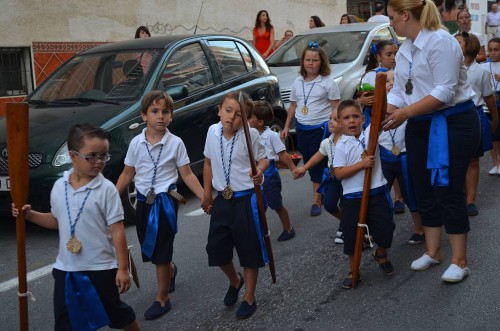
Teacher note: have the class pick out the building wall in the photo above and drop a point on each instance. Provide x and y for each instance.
(24, 21)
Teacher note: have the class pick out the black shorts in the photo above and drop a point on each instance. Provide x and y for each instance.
(308, 142)
(332, 196)
(164, 247)
(272, 191)
(120, 314)
(378, 218)
(232, 226)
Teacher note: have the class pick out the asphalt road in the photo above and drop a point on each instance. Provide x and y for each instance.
(310, 270)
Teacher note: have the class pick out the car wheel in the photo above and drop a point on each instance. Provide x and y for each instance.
(129, 201)
(276, 125)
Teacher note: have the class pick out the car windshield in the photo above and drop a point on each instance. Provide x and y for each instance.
(340, 47)
(110, 76)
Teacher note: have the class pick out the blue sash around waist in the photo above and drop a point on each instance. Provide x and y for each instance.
(272, 169)
(85, 309)
(373, 191)
(387, 156)
(438, 156)
(325, 179)
(163, 202)
(486, 134)
(410, 192)
(367, 113)
(256, 218)
(305, 127)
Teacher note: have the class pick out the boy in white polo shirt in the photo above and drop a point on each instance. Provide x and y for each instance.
(87, 210)
(227, 168)
(350, 163)
(152, 159)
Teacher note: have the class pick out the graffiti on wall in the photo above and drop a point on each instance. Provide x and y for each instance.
(160, 28)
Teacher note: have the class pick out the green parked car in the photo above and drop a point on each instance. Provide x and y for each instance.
(105, 85)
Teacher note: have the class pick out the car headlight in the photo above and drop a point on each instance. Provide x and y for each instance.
(338, 79)
(62, 156)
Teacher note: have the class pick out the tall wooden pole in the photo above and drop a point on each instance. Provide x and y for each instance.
(17, 149)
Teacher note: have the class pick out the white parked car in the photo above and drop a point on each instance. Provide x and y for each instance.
(347, 46)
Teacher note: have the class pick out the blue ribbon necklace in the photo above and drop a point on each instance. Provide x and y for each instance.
(395, 148)
(331, 171)
(305, 109)
(362, 143)
(227, 192)
(150, 197)
(73, 244)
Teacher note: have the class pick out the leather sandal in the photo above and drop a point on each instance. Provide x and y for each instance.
(347, 283)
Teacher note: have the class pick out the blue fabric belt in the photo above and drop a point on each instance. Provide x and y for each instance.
(367, 113)
(163, 202)
(305, 127)
(256, 218)
(486, 134)
(85, 309)
(373, 191)
(387, 156)
(325, 180)
(272, 169)
(438, 156)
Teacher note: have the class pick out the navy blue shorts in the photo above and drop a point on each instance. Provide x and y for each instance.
(308, 142)
(120, 314)
(378, 218)
(332, 196)
(393, 171)
(272, 191)
(164, 247)
(232, 226)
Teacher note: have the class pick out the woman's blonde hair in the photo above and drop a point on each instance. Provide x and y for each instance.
(423, 10)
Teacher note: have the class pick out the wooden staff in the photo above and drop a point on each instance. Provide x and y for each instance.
(378, 113)
(17, 148)
(258, 192)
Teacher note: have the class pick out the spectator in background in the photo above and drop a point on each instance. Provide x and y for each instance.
(465, 24)
(344, 19)
(449, 16)
(142, 32)
(379, 14)
(492, 22)
(263, 34)
(288, 34)
(315, 22)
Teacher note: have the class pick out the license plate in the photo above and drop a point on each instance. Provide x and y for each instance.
(4, 183)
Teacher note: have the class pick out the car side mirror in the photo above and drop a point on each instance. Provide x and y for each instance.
(177, 92)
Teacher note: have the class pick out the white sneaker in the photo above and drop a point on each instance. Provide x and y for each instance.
(455, 274)
(423, 262)
(494, 171)
(339, 239)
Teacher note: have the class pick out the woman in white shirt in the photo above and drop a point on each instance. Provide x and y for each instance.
(431, 92)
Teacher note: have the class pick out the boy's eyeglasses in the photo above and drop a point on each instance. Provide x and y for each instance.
(93, 158)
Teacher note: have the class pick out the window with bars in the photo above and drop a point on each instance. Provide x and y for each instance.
(15, 71)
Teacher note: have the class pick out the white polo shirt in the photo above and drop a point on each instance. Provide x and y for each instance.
(437, 69)
(480, 81)
(492, 68)
(386, 137)
(369, 78)
(348, 152)
(273, 144)
(239, 176)
(319, 93)
(173, 156)
(102, 208)
(327, 148)
(379, 19)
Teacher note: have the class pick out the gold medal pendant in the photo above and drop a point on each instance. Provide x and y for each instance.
(396, 150)
(227, 192)
(331, 171)
(150, 197)
(364, 154)
(74, 245)
(305, 110)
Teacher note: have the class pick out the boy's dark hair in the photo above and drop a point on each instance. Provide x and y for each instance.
(78, 132)
(346, 104)
(141, 28)
(472, 45)
(375, 49)
(263, 111)
(154, 96)
(246, 100)
(494, 40)
(379, 7)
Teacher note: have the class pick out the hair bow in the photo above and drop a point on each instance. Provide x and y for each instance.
(313, 44)
(465, 34)
(374, 49)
